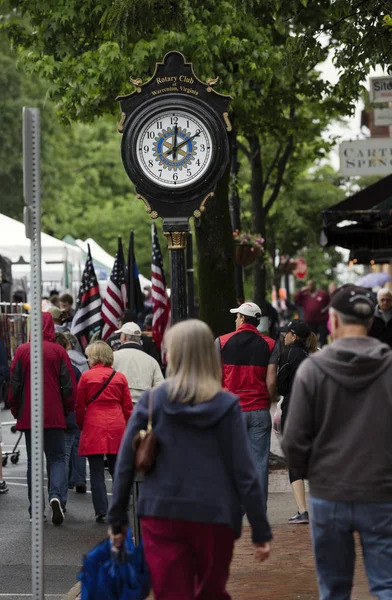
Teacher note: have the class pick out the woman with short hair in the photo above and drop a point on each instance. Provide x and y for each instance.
(191, 502)
(103, 408)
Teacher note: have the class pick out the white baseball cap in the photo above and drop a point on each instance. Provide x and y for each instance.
(130, 329)
(249, 309)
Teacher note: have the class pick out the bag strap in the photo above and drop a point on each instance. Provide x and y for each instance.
(149, 423)
(102, 388)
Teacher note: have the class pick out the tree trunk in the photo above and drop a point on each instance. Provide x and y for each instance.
(258, 217)
(215, 259)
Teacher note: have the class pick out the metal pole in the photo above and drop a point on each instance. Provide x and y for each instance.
(32, 217)
(190, 277)
(176, 233)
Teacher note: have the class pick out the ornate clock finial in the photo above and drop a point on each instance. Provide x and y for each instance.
(211, 81)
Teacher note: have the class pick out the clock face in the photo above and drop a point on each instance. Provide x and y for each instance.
(174, 149)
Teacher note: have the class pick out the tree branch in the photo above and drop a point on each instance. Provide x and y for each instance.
(243, 148)
(279, 177)
(272, 166)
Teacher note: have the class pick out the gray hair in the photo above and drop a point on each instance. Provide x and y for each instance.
(72, 339)
(132, 338)
(383, 292)
(360, 307)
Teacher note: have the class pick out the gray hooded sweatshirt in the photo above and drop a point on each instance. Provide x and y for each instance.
(338, 432)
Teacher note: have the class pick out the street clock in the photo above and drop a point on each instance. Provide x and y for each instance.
(174, 146)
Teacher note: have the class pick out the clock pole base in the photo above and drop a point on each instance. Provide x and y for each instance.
(177, 244)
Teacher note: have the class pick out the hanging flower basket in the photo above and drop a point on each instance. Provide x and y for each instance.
(247, 248)
(245, 255)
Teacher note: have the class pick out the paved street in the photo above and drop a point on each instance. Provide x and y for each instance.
(64, 546)
(288, 575)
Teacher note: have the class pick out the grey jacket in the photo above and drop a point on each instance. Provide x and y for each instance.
(338, 430)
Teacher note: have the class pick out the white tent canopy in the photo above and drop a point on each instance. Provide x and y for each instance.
(15, 245)
(104, 258)
(97, 252)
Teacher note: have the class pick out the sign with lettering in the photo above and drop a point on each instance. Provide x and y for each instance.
(382, 117)
(366, 157)
(380, 89)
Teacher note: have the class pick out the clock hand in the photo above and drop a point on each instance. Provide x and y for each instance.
(182, 143)
(175, 142)
(188, 140)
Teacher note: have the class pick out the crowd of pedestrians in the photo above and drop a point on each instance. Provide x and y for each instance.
(211, 415)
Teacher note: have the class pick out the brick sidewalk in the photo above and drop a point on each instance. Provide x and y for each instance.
(289, 574)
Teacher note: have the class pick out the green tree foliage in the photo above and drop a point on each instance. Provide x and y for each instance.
(264, 51)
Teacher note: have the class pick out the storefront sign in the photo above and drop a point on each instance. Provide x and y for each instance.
(380, 89)
(382, 116)
(366, 157)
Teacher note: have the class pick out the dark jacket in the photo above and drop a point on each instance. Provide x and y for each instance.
(59, 385)
(291, 361)
(204, 471)
(338, 429)
(381, 329)
(4, 370)
(245, 355)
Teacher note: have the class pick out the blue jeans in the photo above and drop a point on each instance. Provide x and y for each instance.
(69, 438)
(97, 481)
(55, 462)
(258, 424)
(77, 467)
(333, 525)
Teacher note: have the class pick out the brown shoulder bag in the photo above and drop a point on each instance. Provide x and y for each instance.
(146, 444)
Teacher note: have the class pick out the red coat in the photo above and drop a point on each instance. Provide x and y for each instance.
(59, 384)
(102, 421)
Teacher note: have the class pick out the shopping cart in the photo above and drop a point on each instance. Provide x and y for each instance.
(14, 454)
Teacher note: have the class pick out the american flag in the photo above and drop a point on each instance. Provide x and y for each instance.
(161, 319)
(87, 319)
(115, 299)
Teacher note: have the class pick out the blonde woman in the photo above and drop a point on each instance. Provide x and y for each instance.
(191, 502)
(103, 408)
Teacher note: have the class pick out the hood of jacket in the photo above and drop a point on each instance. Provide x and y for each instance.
(78, 360)
(48, 327)
(203, 415)
(354, 362)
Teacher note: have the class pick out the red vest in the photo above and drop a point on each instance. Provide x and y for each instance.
(245, 357)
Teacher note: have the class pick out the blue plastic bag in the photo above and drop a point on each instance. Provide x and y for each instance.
(108, 575)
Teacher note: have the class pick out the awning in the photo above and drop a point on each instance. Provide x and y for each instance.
(373, 202)
(368, 230)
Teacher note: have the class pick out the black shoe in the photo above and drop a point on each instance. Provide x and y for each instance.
(81, 489)
(57, 511)
(100, 519)
(300, 518)
(3, 487)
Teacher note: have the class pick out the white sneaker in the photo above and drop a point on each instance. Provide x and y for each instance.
(57, 511)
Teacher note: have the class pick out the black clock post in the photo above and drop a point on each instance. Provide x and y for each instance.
(175, 149)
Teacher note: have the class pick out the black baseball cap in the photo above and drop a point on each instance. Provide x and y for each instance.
(354, 301)
(298, 327)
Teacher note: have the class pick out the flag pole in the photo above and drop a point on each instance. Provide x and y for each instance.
(131, 309)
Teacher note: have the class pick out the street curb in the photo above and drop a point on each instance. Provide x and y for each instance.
(73, 593)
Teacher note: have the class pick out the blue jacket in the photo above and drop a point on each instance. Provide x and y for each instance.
(204, 471)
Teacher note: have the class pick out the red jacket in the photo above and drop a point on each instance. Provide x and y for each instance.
(59, 385)
(314, 305)
(103, 420)
(245, 357)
